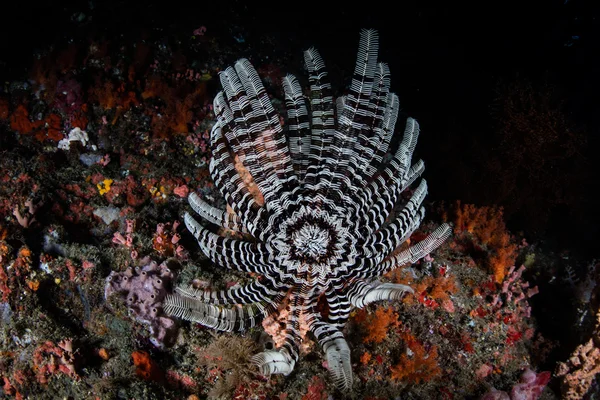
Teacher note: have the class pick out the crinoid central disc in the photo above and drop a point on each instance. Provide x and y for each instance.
(311, 241)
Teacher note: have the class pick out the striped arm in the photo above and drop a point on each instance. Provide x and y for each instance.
(398, 169)
(339, 106)
(362, 271)
(274, 361)
(397, 172)
(337, 352)
(230, 184)
(383, 198)
(339, 304)
(323, 121)
(265, 129)
(298, 125)
(254, 292)
(229, 319)
(369, 139)
(243, 114)
(231, 253)
(358, 113)
(331, 340)
(361, 294)
(394, 234)
(214, 215)
(390, 117)
(381, 195)
(412, 254)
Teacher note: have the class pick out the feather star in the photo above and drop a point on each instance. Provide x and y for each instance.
(322, 232)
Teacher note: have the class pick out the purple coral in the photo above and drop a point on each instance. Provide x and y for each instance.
(144, 289)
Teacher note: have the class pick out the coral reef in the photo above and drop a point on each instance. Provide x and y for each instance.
(107, 134)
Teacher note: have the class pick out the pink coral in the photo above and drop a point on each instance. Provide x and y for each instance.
(530, 388)
(531, 385)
